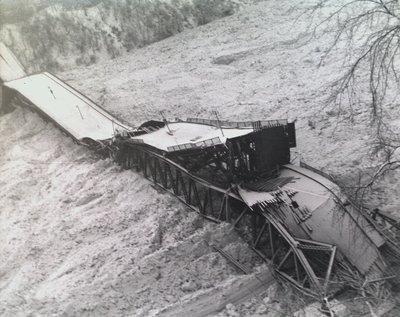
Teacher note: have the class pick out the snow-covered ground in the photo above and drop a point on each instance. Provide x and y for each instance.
(81, 237)
(10, 68)
(62, 36)
(261, 63)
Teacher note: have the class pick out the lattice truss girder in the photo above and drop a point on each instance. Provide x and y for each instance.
(306, 264)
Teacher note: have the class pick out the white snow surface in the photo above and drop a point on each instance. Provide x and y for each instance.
(178, 133)
(80, 237)
(259, 63)
(75, 113)
(10, 68)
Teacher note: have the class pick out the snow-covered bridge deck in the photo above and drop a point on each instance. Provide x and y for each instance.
(186, 135)
(75, 113)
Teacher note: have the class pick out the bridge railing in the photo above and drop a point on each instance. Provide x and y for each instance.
(200, 144)
(239, 124)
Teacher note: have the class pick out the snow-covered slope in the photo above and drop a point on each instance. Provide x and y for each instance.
(260, 63)
(61, 36)
(10, 68)
(81, 237)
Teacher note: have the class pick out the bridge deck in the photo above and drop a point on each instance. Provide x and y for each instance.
(189, 134)
(77, 114)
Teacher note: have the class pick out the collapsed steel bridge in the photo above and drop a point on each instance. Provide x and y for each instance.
(293, 217)
(266, 236)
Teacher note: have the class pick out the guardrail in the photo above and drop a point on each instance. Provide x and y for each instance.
(209, 142)
(239, 124)
(317, 171)
(200, 144)
(136, 141)
(181, 147)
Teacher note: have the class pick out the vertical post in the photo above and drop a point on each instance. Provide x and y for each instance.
(184, 189)
(177, 180)
(166, 122)
(145, 162)
(260, 235)
(138, 161)
(271, 238)
(219, 123)
(205, 201)
(221, 210)
(227, 209)
(189, 192)
(171, 178)
(328, 272)
(238, 219)
(197, 196)
(154, 170)
(210, 202)
(296, 265)
(254, 225)
(163, 172)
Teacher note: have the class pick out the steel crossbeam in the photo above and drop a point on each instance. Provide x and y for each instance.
(267, 236)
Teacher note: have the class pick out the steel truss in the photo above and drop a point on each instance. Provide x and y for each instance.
(305, 264)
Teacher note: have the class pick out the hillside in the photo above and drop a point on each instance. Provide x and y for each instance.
(259, 63)
(81, 237)
(60, 35)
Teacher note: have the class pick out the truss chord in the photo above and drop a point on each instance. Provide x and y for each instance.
(187, 189)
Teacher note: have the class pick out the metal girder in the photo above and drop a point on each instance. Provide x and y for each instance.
(269, 237)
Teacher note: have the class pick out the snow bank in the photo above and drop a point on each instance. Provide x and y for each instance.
(10, 68)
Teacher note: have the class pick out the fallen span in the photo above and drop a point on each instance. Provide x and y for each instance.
(71, 111)
(294, 217)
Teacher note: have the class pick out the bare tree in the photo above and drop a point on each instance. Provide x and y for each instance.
(372, 31)
(369, 32)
